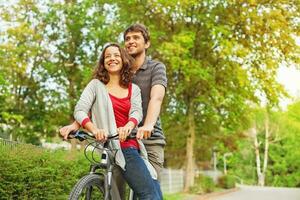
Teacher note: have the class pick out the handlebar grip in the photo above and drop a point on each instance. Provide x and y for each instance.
(71, 135)
(82, 135)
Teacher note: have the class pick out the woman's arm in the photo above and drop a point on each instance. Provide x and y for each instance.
(81, 110)
(100, 134)
(85, 102)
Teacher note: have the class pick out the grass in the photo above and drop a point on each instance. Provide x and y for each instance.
(177, 196)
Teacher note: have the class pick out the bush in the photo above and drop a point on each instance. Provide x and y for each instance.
(226, 181)
(29, 172)
(203, 184)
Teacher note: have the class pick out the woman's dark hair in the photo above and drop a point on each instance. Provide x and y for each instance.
(126, 72)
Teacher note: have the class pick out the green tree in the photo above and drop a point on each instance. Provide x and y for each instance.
(220, 56)
(284, 163)
(22, 56)
(276, 136)
(48, 53)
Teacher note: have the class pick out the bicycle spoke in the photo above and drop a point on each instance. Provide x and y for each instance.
(88, 193)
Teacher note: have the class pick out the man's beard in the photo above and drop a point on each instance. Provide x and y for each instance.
(137, 54)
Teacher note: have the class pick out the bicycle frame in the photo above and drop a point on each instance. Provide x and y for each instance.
(107, 162)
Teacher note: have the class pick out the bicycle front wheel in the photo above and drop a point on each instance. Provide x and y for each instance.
(89, 187)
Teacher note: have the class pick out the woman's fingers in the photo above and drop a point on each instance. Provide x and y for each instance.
(123, 133)
(101, 135)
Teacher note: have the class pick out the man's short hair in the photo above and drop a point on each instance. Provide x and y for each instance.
(138, 28)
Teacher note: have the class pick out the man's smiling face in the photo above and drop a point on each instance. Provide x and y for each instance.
(135, 43)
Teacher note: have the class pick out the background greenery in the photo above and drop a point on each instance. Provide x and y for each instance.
(29, 172)
(222, 59)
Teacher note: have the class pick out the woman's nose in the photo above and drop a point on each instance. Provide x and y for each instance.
(112, 57)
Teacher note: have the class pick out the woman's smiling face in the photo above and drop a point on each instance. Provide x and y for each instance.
(113, 60)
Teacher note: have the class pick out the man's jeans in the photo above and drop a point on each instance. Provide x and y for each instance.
(138, 176)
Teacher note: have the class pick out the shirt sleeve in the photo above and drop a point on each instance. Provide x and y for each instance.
(85, 102)
(133, 120)
(86, 120)
(159, 75)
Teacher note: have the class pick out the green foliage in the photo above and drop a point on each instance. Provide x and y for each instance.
(284, 153)
(283, 162)
(226, 181)
(221, 57)
(203, 184)
(177, 196)
(28, 172)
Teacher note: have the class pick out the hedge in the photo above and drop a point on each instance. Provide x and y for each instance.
(29, 172)
(203, 184)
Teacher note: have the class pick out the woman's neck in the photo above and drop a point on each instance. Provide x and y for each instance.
(114, 80)
(114, 88)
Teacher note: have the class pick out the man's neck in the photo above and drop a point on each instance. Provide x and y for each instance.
(139, 61)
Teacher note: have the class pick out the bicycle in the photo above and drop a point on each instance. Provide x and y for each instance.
(98, 183)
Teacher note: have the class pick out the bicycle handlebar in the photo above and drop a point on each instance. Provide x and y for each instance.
(82, 135)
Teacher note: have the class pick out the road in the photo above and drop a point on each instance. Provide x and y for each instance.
(261, 193)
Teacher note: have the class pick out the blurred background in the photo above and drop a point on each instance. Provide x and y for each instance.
(232, 109)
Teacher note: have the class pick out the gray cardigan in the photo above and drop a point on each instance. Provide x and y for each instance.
(95, 98)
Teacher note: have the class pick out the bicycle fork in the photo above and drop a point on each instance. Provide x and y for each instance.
(108, 179)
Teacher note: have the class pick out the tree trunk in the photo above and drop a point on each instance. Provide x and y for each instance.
(266, 153)
(261, 171)
(189, 169)
(72, 97)
(258, 164)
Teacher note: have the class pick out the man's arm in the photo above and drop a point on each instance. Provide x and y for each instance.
(156, 97)
(65, 131)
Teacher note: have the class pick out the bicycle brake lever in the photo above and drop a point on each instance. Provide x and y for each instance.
(80, 135)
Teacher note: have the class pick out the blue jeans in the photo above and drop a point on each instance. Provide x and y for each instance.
(138, 176)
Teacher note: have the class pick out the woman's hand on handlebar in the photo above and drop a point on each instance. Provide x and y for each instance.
(123, 132)
(100, 134)
(66, 130)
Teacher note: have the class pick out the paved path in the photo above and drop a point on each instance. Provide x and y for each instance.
(260, 193)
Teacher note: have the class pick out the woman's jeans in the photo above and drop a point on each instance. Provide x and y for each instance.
(138, 176)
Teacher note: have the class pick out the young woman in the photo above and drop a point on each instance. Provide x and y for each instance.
(115, 105)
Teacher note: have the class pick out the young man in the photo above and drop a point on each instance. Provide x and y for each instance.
(151, 77)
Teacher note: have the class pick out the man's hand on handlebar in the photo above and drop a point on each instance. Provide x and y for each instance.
(144, 132)
(66, 130)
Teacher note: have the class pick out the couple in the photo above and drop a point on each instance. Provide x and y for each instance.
(112, 87)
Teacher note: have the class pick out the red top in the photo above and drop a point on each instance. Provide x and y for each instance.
(121, 107)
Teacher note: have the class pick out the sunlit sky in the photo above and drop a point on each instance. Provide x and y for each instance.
(290, 78)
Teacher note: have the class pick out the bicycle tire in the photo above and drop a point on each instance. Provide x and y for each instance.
(85, 187)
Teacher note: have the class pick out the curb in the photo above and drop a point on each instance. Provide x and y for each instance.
(215, 194)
